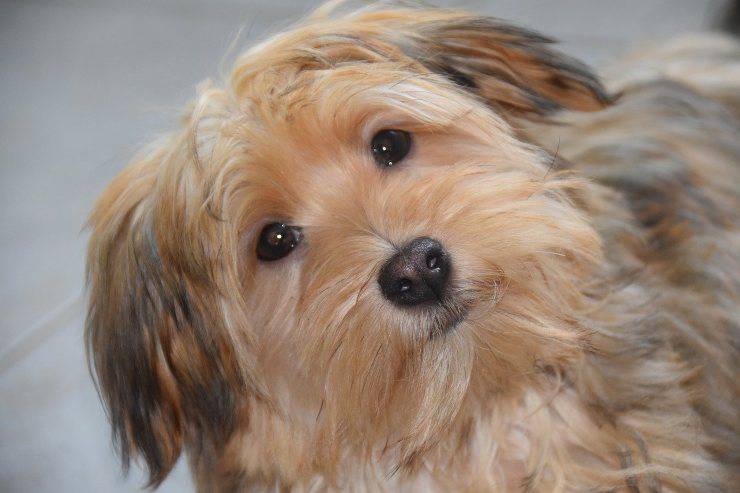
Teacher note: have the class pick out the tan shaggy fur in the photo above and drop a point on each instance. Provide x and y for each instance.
(595, 257)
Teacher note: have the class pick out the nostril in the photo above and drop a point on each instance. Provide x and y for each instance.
(433, 261)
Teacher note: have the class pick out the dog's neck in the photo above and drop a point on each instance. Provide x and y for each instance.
(495, 441)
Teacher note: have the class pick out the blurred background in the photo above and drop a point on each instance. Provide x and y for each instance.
(83, 85)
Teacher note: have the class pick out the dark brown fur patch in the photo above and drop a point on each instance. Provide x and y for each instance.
(163, 368)
(512, 68)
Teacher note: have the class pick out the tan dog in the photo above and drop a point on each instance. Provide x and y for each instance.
(385, 256)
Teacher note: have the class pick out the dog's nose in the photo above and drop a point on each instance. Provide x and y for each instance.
(417, 274)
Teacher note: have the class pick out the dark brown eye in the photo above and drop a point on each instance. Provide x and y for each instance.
(390, 146)
(277, 240)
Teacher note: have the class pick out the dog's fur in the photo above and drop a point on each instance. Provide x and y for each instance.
(595, 251)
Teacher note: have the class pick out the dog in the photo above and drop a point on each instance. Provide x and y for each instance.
(414, 249)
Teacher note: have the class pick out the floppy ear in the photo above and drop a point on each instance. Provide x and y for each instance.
(515, 70)
(165, 364)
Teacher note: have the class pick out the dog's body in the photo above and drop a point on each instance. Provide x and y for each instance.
(584, 336)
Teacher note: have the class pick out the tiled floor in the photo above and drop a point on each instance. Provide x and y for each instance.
(82, 85)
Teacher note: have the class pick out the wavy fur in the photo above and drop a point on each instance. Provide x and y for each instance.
(595, 251)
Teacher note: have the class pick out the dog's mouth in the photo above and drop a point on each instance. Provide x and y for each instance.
(447, 317)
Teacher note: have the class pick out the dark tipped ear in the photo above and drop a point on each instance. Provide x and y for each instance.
(164, 365)
(513, 69)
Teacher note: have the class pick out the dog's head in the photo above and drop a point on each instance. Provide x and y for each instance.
(353, 226)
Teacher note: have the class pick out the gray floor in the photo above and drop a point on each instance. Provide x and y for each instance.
(82, 85)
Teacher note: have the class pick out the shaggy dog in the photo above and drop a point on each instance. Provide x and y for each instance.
(408, 249)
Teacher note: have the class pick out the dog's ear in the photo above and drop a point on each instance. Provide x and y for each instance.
(165, 365)
(513, 69)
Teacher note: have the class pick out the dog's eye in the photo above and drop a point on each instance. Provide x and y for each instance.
(390, 146)
(277, 240)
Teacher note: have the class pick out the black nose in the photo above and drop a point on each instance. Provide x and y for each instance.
(417, 274)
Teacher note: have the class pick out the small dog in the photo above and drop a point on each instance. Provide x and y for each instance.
(410, 249)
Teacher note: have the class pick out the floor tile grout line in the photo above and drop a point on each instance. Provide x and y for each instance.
(29, 339)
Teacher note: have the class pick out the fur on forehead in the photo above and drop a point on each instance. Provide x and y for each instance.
(512, 69)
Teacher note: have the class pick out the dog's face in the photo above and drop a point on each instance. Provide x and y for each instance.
(352, 230)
